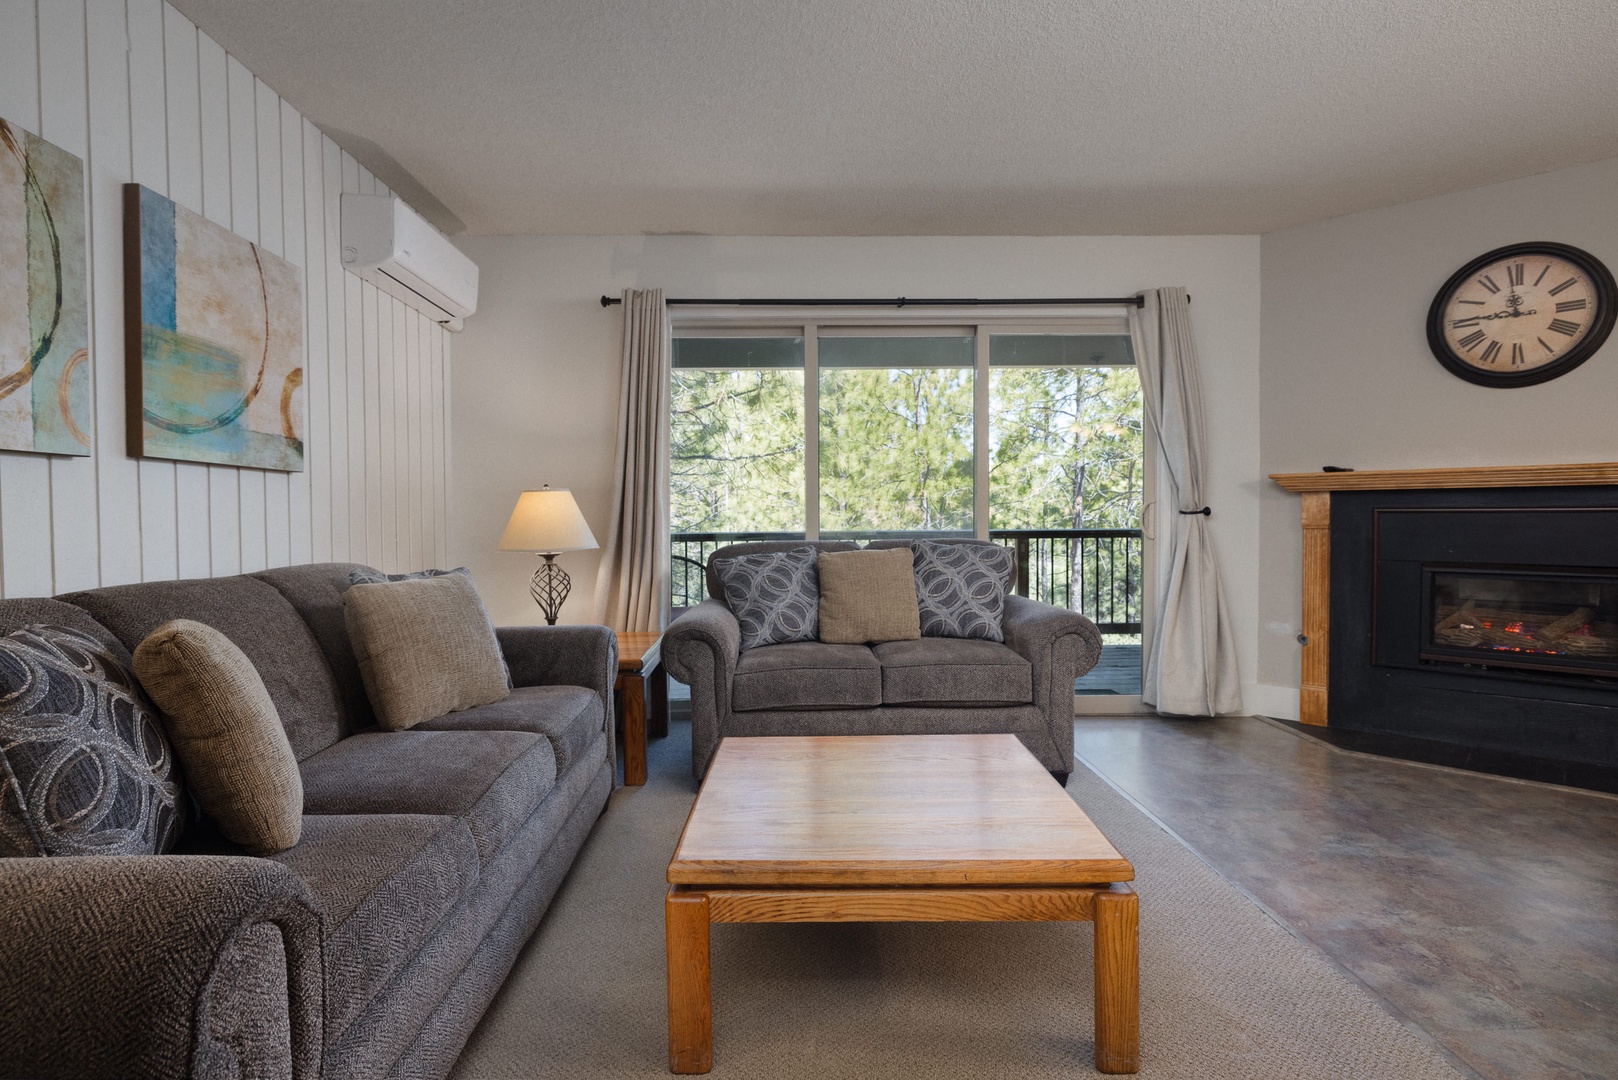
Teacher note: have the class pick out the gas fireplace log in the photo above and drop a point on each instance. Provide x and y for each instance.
(1561, 628)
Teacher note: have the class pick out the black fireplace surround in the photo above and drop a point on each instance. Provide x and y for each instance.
(1484, 621)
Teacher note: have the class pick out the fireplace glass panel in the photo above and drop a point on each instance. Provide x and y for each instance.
(1563, 622)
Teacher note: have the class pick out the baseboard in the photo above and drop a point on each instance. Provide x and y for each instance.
(1266, 699)
(1110, 705)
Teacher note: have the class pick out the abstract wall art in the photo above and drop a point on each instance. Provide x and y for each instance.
(44, 316)
(215, 328)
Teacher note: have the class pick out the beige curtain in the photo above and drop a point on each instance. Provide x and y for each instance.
(632, 587)
(1191, 659)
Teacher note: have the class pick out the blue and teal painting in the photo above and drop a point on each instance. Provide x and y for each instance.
(221, 344)
(44, 316)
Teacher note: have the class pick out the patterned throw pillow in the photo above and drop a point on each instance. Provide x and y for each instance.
(85, 768)
(961, 589)
(367, 576)
(775, 596)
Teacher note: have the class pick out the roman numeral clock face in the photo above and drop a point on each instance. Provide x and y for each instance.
(1522, 314)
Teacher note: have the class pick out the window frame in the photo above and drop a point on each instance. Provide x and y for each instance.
(979, 323)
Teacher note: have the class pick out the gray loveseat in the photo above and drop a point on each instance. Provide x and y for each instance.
(372, 947)
(929, 686)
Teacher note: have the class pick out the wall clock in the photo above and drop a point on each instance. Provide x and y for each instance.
(1522, 314)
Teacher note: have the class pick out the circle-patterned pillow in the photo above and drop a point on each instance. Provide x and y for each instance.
(775, 596)
(85, 768)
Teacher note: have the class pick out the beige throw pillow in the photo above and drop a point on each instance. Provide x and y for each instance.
(226, 733)
(425, 647)
(867, 597)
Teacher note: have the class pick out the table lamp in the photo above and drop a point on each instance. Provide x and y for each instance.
(548, 522)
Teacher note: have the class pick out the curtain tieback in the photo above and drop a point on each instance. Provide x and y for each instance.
(1205, 511)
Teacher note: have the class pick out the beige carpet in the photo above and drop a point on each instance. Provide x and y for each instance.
(1226, 991)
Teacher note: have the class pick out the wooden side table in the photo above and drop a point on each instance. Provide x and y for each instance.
(642, 693)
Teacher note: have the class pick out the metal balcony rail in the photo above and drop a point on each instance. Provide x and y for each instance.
(1096, 572)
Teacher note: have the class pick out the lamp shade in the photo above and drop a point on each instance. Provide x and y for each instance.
(547, 520)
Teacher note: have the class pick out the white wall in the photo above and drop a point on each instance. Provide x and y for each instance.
(537, 368)
(1348, 378)
(137, 92)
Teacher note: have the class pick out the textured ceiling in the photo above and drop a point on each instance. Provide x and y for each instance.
(897, 117)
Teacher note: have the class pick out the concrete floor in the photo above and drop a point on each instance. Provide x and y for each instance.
(1483, 911)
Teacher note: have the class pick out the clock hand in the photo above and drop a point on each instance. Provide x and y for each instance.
(1513, 314)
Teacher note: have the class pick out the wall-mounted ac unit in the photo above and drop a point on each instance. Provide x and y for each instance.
(394, 248)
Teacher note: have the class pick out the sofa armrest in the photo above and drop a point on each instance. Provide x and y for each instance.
(700, 649)
(561, 656)
(1061, 645)
(159, 966)
(1030, 627)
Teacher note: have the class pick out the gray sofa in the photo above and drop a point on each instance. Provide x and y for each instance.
(372, 947)
(931, 686)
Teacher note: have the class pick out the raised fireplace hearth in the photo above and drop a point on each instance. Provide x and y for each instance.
(1483, 619)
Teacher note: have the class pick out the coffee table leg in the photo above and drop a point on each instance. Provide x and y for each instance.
(690, 994)
(1117, 921)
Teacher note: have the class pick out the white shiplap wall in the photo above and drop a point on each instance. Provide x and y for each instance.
(133, 88)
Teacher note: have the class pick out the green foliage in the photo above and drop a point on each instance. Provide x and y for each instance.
(1066, 449)
(736, 446)
(895, 449)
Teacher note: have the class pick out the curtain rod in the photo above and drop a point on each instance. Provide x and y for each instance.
(905, 301)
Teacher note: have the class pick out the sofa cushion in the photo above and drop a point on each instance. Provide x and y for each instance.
(425, 647)
(961, 589)
(365, 575)
(316, 591)
(716, 559)
(774, 595)
(953, 671)
(229, 740)
(806, 675)
(262, 624)
(384, 883)
(867, 596)
(491, 779)
(569, 716)
(85, 768)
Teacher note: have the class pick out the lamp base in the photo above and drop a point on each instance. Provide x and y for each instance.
(549, 587)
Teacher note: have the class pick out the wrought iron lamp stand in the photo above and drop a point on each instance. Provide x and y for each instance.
(550, 586)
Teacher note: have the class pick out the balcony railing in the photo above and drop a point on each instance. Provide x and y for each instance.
(1093, 571)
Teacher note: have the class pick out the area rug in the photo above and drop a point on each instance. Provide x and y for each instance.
(1226, 992)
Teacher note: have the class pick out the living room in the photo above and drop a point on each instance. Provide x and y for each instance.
(1312, 212)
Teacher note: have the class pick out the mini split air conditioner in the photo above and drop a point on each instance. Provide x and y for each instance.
(394, 248)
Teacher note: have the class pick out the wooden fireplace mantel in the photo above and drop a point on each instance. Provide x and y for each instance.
(1316, 489)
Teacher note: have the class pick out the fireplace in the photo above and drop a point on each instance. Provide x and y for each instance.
(1558, 619)
(1482, 620)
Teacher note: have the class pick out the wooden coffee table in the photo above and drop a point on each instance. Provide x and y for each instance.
(893, 828)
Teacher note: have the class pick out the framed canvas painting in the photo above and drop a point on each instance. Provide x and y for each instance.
(215, 341)
(44, 313)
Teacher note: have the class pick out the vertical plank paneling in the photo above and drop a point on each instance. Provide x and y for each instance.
(441, 443)
(294, 231)
(182, 62)
(362, 478)
(148, 146)
(245, 179)
(224, 490)
(109, 166)
(439, 407)
(331, 186)
(271, 237)
(375, 482)
(25, 486)
(387, 459)
(63, 111)
(133, 88)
